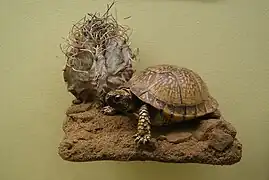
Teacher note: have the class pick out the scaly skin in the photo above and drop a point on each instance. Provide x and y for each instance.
(143, 134)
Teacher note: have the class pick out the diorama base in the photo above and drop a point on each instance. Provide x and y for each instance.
(92, 136)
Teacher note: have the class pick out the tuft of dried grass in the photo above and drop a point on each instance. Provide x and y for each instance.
(98, 56)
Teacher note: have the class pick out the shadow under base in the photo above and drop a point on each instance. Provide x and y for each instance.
(92, 136)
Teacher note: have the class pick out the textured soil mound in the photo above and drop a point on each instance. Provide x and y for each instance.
(92, 136)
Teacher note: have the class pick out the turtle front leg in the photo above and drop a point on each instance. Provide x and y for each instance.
(143, 134)
(108, 110)
(77, 101)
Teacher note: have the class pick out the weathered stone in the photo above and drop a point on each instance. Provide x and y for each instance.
(92, 136)
(74, 109)
(178, 137)
(205, 127)
(219, 140)
(228, 128)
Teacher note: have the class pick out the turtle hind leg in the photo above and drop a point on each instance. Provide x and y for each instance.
(143, 134)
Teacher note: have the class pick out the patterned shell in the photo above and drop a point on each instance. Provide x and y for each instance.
(179, 92)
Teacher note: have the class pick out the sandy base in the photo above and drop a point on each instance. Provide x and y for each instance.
(92, 136)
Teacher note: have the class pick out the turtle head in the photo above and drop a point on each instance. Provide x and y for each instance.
(120, 99)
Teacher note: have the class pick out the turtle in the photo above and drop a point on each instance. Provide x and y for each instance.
(169, 92)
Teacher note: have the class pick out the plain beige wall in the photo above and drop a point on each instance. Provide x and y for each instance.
(225, 41)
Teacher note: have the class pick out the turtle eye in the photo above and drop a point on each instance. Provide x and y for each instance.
(117, 97)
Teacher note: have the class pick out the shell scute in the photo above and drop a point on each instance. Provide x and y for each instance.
(191, 110)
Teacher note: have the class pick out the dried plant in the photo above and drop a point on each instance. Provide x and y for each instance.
(99, 57)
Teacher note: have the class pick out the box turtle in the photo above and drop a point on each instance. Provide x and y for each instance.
(175, 93)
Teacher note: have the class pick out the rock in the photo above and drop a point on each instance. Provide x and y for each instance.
(219, 140)
(177, 137)
(75, 109)
(92, 136)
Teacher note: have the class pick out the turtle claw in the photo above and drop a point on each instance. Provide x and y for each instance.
(141, 139)
(77, 101)
(108, 110)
